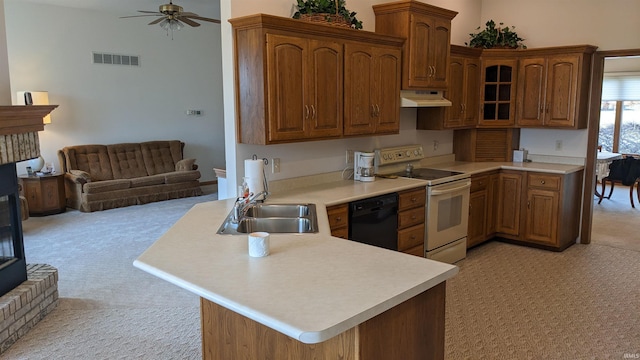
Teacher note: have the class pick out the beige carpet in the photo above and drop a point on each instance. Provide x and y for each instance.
(615, 222)
(507, 302)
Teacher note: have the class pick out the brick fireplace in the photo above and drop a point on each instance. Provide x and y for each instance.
(27, 292)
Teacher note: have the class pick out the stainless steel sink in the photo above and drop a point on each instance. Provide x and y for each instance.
(276, 225)
(273, 218)
(280, 210)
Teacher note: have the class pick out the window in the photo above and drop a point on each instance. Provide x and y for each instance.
(620, 114)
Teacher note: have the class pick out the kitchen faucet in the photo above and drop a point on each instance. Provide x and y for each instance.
(241, 205)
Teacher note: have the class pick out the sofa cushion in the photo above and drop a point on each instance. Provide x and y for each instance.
(106, 186)
(161, 156)
(92, 159)
(181, 176)
(147, 181)
(126, 161)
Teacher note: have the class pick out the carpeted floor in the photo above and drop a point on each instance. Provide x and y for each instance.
(507, 302)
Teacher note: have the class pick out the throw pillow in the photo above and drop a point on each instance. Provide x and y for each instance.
(185, 164)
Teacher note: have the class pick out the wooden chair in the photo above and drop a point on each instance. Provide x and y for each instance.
(625, 171)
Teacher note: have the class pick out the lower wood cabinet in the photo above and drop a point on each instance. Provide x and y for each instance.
(540, 209)
(45, 194)
(411, 218)
(339, 220)
(482, 201)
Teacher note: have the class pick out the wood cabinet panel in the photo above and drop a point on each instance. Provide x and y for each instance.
(291, 81)
(411, 220)
(410, 238)
(339, 220)
(412, 198)
(427, 29)
(509, 203)
(542, 216)
(372, 87)
(498, 92)
(411, 217)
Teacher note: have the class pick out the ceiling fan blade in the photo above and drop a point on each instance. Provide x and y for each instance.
(149, 12)
(133, 16)
(156, 21)
(188, 21)
(202, 18)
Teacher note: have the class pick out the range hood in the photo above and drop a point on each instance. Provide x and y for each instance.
(422, 98)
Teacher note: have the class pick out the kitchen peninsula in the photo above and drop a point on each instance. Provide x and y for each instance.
(315, 296)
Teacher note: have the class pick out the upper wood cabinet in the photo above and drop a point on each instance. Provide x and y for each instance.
(290, 80)
(304, 77)
(427, 29)
(553, 87)
(372, 85)
(463, 92)
(498, 92)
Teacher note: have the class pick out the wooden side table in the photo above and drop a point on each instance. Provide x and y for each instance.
(45, 194)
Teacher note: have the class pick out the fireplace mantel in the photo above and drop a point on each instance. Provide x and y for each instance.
(21, 119)
(19, 126)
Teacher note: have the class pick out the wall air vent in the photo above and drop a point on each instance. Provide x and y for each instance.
(115, 59)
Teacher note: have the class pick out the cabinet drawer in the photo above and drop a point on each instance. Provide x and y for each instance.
(411, 217)
(417, 251)
(410, 237)
(544, 181)
(342, 232)
(412, 198)
(479, 182)
(338, 216)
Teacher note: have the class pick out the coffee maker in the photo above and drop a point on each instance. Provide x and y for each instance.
(363, 166)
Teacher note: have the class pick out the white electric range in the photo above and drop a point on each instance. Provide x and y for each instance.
(447, 209)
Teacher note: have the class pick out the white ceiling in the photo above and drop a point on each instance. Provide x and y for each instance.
(130, 7)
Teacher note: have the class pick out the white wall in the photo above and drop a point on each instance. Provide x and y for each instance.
(5, 88)
(49, 48)
(309, 158)
(610, 25)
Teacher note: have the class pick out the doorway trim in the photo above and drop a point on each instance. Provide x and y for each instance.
(592, 138)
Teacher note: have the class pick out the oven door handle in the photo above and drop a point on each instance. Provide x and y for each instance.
(436, 192)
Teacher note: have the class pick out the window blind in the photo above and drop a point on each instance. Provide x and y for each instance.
(621, 87)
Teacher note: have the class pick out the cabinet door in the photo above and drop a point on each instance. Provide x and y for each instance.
(286, 73)
(493, 190)
(471, 91)
(420, 32)
(439, 53)
(562, 90)
(358, 90)
(477, 218)
(497, 93)
(33, 193)
(542, 216)
(455, 112)
(325, 89)
(509, 204)
(372, 90)
(387, 85)
(531, 92)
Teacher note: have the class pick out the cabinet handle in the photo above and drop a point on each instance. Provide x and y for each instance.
(541, 108)
(547, 109)
(373, 110)
(313, 109)
(542, 182)
(413, 237)
(529, 204)
(306, 113)
(338, 219)
(377, 110)
(414, 199)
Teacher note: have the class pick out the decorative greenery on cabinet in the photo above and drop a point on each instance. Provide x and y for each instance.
(496, 37)
(326, 11)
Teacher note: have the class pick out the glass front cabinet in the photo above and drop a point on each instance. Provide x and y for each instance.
(498, 91)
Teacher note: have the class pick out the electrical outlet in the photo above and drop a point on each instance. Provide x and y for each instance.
(349, 157)
(558, 145)
(275, 165)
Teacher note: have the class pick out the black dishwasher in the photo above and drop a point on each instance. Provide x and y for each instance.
(374, 221)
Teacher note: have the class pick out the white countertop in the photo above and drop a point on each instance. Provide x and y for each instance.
(312, 286)
(478, 167)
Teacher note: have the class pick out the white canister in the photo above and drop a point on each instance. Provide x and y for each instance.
(258, 244)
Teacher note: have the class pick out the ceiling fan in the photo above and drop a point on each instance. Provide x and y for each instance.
(171, 17)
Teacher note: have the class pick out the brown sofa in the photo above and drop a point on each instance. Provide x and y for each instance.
(100, 177)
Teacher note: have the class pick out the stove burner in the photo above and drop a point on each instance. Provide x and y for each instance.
(426, 173)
